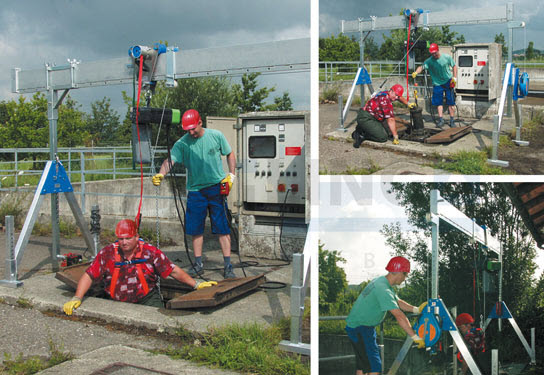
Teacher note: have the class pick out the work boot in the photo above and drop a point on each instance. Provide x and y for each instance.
(452, 122)
(197, 270)
(228, 273)
(440, 123)
(357, 139)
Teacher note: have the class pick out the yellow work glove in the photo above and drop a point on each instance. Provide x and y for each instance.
(396, 141)
(69, 306)
(157, 179)
(418, 310)
(411, 105)
(419, 341)
(453, 82)
(230, 179)
(414, 75)
(204, 284)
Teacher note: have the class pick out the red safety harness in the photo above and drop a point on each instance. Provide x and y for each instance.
(117, 266)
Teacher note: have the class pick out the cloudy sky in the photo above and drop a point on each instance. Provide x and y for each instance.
(351, 215)
(33, 32)
(530, 11)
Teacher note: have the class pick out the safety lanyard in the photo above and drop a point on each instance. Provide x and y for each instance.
(118, 264)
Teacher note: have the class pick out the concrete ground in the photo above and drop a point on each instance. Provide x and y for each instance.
(338, 155)
(29, 331)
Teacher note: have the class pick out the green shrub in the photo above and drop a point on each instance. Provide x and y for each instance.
(12, 205)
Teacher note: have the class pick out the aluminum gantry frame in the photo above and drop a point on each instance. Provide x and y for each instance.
(440, 209)
(270, 57)
(473, 16)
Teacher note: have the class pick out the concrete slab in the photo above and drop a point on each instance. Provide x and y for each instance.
(477, 140)
(129, 361)
(45, 293)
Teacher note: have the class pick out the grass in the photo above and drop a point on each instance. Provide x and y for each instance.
(247, 348)
(24, 303)
(468, 163)
(31, 365)
(67, 229)
(11, 205)
(353, 171)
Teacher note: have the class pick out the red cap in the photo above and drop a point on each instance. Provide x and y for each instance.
(398, 264)
(433, 48)
(463, 318)
(398, 89)
(190, 119)
(126, 228)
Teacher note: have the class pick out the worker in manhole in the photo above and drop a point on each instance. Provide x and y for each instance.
(443, 71)
(369, 310)
(376, 115)
(200, 150)
(130, 269)
(475, 340)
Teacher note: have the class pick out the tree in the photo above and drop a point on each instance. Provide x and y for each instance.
(341, 48)
(530, 51)
(247, 98)
(72, 127)
(371, 49)
(281, 103)
(332, 278)
(499, 38)
(103, 122)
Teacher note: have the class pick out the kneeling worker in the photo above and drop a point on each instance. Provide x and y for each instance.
(369, 310)
(376, 115)
(130, 269)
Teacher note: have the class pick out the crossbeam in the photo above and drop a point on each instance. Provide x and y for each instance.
(475, 16)
(271, 57)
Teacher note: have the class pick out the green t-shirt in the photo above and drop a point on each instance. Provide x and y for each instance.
(202, 158)
(375, 300)
(440, 69)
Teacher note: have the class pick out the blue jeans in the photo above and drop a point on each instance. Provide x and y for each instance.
(365, 346)
(440, 91)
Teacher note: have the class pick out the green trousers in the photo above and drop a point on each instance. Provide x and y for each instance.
(370, 128)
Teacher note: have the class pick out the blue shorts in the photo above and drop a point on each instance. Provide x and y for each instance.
(198, 205)
(363, 341)
(438, 95)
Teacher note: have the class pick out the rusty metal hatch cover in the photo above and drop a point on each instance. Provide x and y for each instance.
(183, 296)
(449, 135)
(224, 291)
(119, 368)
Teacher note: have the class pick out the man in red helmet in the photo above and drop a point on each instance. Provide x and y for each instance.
(443, 72)
(376, 115)
(200, 150)
(369, 310)
(130, 269)
(475, 340)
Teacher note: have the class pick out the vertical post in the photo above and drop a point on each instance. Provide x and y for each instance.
(95, 228)
(382, 355)
(11, 260)
(340, 104)
(70, 163)
(114, 171)
(495, 138)
(53, 115)
(82, 173)
(510, 89)
(494, 362)
(453, 354)
(435, 195)
(533, 345)
(297, 299)
(361, 63)
(16, 169)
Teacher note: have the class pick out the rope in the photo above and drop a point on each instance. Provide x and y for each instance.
(138, 217)
(408, 56)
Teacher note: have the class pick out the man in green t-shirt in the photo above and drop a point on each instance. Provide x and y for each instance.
(369, 310)
(200, 151)
(443, 72)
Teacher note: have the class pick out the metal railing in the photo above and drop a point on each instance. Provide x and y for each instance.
(21, 168)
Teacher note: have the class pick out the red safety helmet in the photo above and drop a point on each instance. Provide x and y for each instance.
(398, 89)
(433, 48)
(398, 264)
(190, 119)
(126, 228)
(464, 318)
